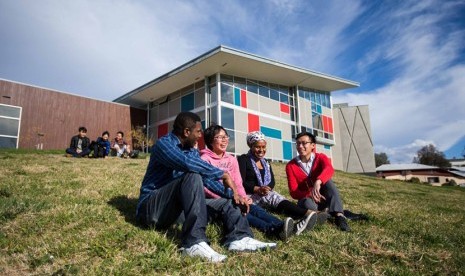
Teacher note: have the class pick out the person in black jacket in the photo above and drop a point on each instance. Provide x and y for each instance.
(79, 145)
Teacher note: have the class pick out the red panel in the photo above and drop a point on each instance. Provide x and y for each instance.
(243, 98)
(330, 123)
(254, 122)
(285, 108)
(201, 143)
(325, 123)
(162, 130)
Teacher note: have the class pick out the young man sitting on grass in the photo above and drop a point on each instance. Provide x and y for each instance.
(174, 183)
(79, 145)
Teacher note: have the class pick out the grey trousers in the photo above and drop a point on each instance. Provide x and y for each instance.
(333, 201)
(163, 207)
(235, 224)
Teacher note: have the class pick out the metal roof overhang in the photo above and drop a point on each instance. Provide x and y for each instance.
(229, 61)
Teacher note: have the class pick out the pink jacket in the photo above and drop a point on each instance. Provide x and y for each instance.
(227, 163)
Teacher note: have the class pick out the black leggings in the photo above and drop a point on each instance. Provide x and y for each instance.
(291, 209)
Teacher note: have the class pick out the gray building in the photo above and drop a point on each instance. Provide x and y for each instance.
(353, 149)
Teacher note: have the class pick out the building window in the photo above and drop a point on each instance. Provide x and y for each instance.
(10, 120)
(432, 180)
(227, 117)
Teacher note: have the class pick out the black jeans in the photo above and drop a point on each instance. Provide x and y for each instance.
(163, 207)
(333, 201)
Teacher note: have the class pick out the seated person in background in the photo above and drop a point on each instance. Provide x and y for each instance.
(174, 184)
(217, 140)
(309, 180)
(119, 147)
(79, 145)
(258, 180)
(101, 147)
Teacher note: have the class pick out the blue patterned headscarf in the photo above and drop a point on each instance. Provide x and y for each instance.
(252, 138)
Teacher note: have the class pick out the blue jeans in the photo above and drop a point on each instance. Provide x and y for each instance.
(264, 221)
(164, 205)
(73, 152)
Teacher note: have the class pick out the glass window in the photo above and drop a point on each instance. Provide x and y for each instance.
(9, 111)
(232, 141)
(292, 114)
(317, 122)
(213, 115)
(328, 100)
(283, 98)
(264, 90)
(317, 98)
(274, 94)
(239, 82)
(252, 87)
(227, 79)
(9, 127)
(227, 93)
(227, 117)
(8, 143)
(312, 97)
(213, 94)
(301, 94)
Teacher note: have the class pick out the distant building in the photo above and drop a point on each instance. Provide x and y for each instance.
(40, 118)
(428, 174)
(353, 149)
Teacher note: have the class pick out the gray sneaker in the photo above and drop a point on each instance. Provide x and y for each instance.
(288, 229)
(307, 223)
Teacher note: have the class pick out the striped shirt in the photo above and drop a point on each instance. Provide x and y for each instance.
(169, 160)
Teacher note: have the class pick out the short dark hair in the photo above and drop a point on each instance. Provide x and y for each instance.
(122, 134)
(209, 134)
(106, 132)
(306, 133)
(185, 120)
(83, 129)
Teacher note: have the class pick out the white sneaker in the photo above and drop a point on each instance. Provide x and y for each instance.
(306, 223)
(203, 250)
(249, 244)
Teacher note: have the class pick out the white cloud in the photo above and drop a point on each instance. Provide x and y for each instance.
(425, 99)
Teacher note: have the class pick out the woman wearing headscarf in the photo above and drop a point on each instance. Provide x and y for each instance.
(258, 181)
(217, 140)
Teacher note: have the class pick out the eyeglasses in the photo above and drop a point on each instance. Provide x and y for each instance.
(302, 143)
(222, 137)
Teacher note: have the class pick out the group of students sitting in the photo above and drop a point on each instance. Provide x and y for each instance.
(183, 184)
(81, 146)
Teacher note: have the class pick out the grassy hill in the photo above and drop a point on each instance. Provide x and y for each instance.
(67, 216)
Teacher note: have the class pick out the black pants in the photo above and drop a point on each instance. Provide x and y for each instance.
(333, 201)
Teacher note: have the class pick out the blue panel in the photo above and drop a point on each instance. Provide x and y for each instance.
(187, 102)
(328, 147)
(237, 96)
(318, 109)
(271, 132)
(287, 150)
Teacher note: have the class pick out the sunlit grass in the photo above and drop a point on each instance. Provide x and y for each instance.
(63, 215)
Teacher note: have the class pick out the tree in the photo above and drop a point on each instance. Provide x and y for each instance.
(381, 159)
(139, 138)
(429, 155)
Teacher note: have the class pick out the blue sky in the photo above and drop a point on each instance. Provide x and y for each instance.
(409, 56)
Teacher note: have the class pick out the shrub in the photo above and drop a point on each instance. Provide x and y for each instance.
(450, 183)
(415, 180)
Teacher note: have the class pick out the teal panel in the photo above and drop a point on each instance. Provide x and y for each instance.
(271, 132)
(237, 96)
(187, 102)
(328, 147)
(318, 109)
(287, 150)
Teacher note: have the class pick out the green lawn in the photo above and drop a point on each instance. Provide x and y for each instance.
(66, 216)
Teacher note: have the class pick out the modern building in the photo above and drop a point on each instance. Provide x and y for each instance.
(40, 118)
(428, 174)
(353, 149)
(244, 92)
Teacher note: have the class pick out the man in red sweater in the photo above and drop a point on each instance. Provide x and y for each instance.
(309, 180)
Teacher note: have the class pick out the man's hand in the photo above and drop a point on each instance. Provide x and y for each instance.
(243, 205)
(317, 197)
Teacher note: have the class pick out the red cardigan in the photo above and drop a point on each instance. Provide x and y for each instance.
(299, 184)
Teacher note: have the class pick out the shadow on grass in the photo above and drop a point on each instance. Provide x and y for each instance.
(127, 207)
